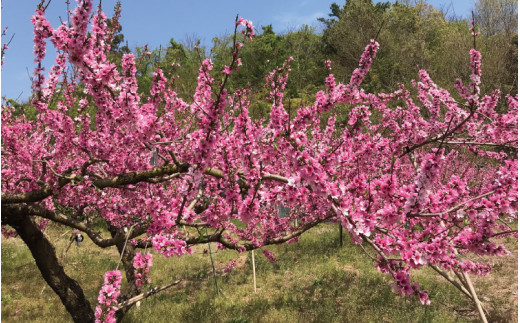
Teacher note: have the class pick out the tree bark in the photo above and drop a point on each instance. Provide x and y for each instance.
(69, 291)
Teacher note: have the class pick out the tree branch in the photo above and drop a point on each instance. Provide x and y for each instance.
(455, 208)
(95, 236)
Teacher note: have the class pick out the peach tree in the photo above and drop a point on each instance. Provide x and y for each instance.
(419, 176)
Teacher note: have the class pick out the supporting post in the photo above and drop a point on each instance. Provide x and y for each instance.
(475, 298)
(64, 253)
(213, 265)
(471, 288)
(254, 270)
(340, 235)
(147, 294)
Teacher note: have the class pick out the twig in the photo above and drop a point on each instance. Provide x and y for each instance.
(437, 138)
(479, 144)
(504, 232)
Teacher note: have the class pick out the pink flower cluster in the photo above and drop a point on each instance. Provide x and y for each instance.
(249, 32)
(230, 266)
(142, 266)
(364, 64)
(269, 255)
(168, 245)
(328, 64)
(472, 94)
(42, 30)
(107, 298)
(5, 46)
(426, 175)
(404, 286)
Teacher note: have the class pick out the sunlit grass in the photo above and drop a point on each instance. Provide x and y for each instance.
(313, 280)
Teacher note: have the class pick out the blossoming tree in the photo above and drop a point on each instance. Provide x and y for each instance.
(421, 178)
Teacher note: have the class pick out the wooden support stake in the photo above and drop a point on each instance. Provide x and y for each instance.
(462, 280)
(144, 295)
(469, 284)
(254, 270)
(464, 288)
(64, 253)
(213, 266)
(340, 235)
(475, 298)
(61, 236)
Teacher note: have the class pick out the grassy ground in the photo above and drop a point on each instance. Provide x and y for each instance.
(312, 281)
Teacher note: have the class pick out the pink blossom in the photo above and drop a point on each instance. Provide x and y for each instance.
(231, 265)
(269, 255)
(107, 298)
(142, 266)
(226, 70)
(328, 64)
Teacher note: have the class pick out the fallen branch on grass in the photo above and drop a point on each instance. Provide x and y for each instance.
(144, 295)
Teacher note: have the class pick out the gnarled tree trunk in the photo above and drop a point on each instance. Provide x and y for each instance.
(69, 291)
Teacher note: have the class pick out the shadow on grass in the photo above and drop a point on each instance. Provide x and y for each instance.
(313, 280)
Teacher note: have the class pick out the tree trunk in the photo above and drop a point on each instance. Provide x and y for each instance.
(43, 252)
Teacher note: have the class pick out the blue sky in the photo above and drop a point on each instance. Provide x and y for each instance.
(154, 22)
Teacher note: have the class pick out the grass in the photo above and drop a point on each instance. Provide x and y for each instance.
(313, 280)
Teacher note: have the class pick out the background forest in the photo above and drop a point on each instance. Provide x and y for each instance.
(413, 35)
